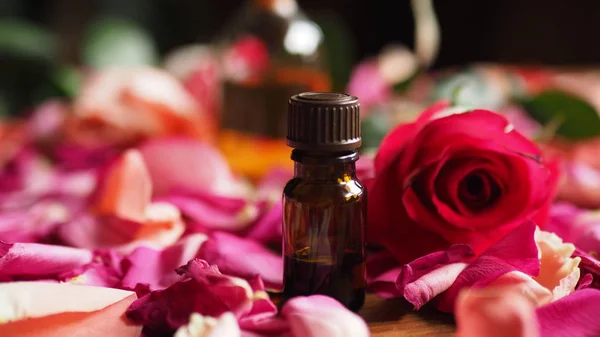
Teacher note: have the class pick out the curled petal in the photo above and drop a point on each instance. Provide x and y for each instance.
(516, 251)
(495, 312)
(32, 261)
(558, 271)
(47, 309)
(322, 316)
(589, 265)
(262, 316)
(425, 278)
(244, 258)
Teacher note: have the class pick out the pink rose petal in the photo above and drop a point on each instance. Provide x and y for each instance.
(589, 265)
(526, 285)
(367, 83)
(155, 269)
(575, 315)
(268, 227)
(516, 251)
(31, 261)
(244, 258)
(205, 291)
(322, 316)
(179, 163)
(53, 310)
(207, 211)
(495, 312)
(126, 188)
(261, 316)
(425, 278)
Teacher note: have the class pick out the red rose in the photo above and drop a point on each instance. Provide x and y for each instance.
(460, 178)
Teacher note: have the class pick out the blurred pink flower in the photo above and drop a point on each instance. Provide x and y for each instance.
(121, 106)
(53, 310)
(367, 83)
(578, 226)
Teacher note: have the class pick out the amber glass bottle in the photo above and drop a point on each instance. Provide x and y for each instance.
(324, 203)
(269, 52)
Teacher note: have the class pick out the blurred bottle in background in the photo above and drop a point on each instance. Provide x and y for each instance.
(269, 52)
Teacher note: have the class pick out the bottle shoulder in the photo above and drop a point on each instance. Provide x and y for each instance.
(337, 191)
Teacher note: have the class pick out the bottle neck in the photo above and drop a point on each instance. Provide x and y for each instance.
(324, 166)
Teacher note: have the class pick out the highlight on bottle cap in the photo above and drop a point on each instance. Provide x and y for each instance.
(323, 121)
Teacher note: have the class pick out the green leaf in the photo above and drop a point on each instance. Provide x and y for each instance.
(373, 129)
(25, 40)
(579, 119)
(118, 42)
(339, 48)
(67, 79)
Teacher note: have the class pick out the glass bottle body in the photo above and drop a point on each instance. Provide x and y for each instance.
(324, 232)
(270, 52)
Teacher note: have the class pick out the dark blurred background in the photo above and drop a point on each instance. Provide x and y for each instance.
(554, 32)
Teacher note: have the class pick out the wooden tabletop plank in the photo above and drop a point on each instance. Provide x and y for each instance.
(396, 318)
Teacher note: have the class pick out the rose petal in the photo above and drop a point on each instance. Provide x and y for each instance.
(162, 227)
(589, 266)
(179, 163)
(244, 258)
(268, 227)
(526, 285)
(575, 315)
(558, 271)
(495, 311)
(31, 261)
(322, 316)
(200, 326)
(209, 211)
(367, 83)
(126, 189)
(33, 223)
(155, 269)
(261, 317)
(425, 278)
(207, 292)
(516, 251)
(47, 309)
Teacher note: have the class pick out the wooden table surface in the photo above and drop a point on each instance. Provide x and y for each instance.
(396, 318)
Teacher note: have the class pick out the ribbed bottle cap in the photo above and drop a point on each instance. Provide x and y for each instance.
(323, 121)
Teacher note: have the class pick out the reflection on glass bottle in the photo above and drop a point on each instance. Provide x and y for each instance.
(269, 52)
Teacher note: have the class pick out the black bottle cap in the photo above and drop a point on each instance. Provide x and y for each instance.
(323, 121)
